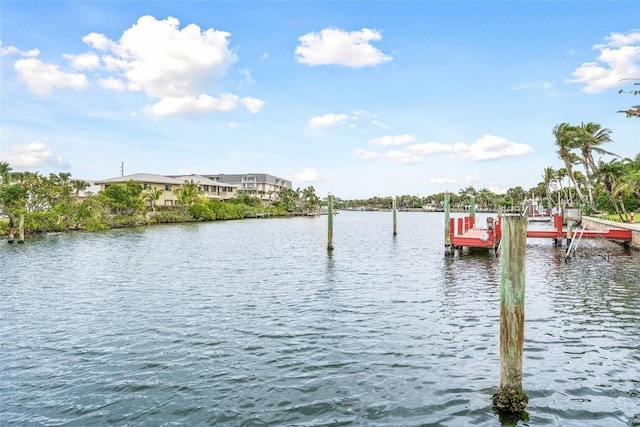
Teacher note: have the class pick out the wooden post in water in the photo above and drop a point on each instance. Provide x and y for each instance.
(330, 224)
(473, 211)
(11, 230)
(447, 225)
(510, 398)
(394, 205)
(21, 229)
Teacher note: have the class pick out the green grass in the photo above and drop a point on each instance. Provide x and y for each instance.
(615, 217)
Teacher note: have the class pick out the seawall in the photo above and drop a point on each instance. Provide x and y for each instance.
(599, 224)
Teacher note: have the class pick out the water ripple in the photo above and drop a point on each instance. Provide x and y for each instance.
(252, 323)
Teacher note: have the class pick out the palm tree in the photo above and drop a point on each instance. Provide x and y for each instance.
(152, 195)
(188, 194)
(79, 185)
(559, 177)
(566, 139)
(5, 171)
(548, 176)
(486, 198)
(632, 175)
(611, 174)
(591, 136)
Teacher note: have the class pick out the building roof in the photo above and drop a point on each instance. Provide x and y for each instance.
(143, 177)
(202, 180)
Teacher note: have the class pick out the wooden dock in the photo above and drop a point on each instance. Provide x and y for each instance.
(464, 232)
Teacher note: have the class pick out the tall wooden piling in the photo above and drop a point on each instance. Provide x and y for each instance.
(330, 223)
(447, 225)
(394, 208)
(473, 209)
(510, 398)
(21, 229)
(11, 229)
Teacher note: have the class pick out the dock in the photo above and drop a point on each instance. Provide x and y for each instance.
(465, 233)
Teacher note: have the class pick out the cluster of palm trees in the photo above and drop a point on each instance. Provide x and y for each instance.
(616, 180)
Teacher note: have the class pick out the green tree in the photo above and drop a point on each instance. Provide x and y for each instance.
(123, 198)
(612, 174)
(287, 200)
(548, 176)
(590, 138)
(486, 199)
(516, 196)
(567, 139)
(188, 194)
(152, 195)
(467, 192)
(78, 186)
(5, 172)
(309, 199)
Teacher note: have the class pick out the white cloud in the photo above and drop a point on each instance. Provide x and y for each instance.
(177, 106)
(41, 78)
(430, 148)
(99, 41)
(112, 83)
(490, 147)
(403, 139)
(618, 60)
(381, 125)
(327, 120)
(446, 181)
(32, 155)
(85, 61)
(441, 181)
(254, 105)
(12, 50)
(335, 46)
(164, 61)
(618, 40)
(361, 153)
(402, 157)
(177, 67)
(307, 175)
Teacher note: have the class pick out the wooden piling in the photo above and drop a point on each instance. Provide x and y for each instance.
(394, 204)
(330, 224)
(447, 225)
(473, 210)
(11, 229)
(21, 229)
(569, 233)
(510, 398)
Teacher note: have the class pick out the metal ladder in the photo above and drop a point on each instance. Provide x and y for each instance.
(571, 250)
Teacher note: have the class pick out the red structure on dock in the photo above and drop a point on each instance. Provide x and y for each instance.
(463, 232)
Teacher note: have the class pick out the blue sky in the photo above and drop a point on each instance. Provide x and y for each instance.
(356, 98)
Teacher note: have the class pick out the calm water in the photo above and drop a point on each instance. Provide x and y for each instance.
(251, 323)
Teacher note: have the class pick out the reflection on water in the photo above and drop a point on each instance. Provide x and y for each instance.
(254, 323)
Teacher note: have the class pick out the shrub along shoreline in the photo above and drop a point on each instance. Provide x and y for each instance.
(53, 204)
(54, 221)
